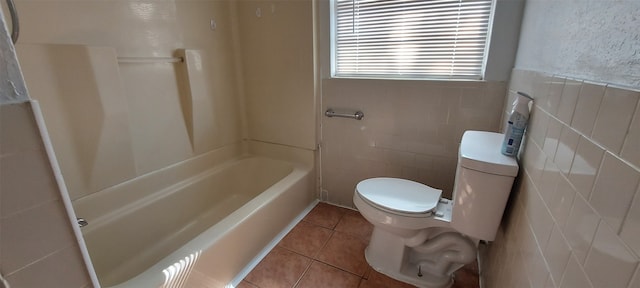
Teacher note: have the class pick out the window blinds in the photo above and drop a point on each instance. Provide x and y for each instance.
(410, 38)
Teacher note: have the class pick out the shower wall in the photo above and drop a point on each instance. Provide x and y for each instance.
(249, 75)
(277, 39)
(116, 109)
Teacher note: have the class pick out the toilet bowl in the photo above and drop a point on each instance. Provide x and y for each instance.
(421, 238)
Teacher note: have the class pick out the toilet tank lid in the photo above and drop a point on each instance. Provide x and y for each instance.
(480, 150)
(400, 195)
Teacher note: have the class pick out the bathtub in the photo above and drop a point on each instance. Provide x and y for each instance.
(197, 230)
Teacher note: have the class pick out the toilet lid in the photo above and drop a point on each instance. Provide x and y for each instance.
(399, 195)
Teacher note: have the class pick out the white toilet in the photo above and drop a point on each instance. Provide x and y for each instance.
(421, 238)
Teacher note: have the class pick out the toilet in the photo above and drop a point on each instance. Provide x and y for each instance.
(421, 238)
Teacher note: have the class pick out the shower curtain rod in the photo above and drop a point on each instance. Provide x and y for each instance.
(150, 59)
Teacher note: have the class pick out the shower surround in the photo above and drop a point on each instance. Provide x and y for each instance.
(130, 90)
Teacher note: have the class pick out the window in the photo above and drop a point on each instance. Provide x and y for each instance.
(415, 39)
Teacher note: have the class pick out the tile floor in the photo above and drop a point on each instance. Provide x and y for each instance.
(326, 249)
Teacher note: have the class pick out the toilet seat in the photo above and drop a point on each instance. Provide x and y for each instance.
(399, 196)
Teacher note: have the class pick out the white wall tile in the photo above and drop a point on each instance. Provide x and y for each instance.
(614, 117)
(583, 223)
(26, 181)
(554, 94)
(34, 227)
(581, 228)
(585, 166)
(630, 231)
(539, 217)
(33, 234)
(635, 282)
(587, 107)
(574, 276)
(538, 123)
(537, 269)
(60, 269)
(557, 253)
(549, 182)
(566, 149)
(404, 121)
(552, 137)
(561, 201)
(568, 100)
(18, 128)
(550, 283)
(534, 161)
(614, 189)
(631, 147)
(609, 263)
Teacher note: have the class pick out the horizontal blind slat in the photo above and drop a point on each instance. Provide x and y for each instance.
(407, 38)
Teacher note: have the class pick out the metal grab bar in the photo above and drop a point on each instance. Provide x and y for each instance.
(143, 60)
(358, 115)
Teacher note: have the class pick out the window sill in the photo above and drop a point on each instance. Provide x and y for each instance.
(444, 80)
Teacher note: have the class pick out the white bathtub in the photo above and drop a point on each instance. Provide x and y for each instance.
(194, 231)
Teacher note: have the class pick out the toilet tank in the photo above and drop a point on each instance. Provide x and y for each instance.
(483, 182)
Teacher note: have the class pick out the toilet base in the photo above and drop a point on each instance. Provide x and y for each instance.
(409, 274)
(422, 265)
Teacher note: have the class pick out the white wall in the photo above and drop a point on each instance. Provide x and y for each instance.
(504, 39)
(597, 40)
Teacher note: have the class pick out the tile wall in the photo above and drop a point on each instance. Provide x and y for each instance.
(574, 216)
(35, 234)
(411, 129)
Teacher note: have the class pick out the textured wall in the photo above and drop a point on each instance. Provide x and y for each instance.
(12, 87)
(587, 39)
(574, 217)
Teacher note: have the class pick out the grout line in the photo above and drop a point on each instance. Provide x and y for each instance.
(274, 242)
(303, 273)
(368, 270)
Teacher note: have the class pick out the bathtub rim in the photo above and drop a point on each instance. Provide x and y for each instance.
(151, 275)
(98, 221)
(86, 208)
(272, 244)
